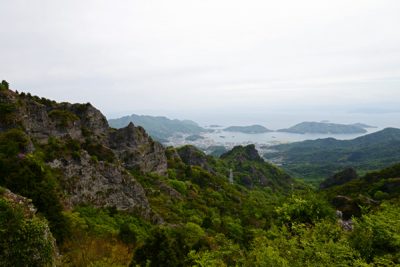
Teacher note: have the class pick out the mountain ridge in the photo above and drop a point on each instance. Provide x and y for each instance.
(316, 159)
(159, 127)
(325, 128)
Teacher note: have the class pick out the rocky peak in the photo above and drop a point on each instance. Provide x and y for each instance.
(243, 153)
(91, 119)
(42, 118)
(137, 150)
(191, 155)
(85, 178)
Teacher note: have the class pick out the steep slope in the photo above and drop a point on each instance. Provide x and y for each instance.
(109, 202)
(243, 163)
(321, 158)
(75, 140)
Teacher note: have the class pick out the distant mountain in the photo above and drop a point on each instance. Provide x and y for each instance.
(158, 127)
(316, 159)
(216, 150)
(363, 125)
(326, 128)
(252, 129)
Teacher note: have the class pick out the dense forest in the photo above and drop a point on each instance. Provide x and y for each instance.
(314, 160)
(75, 192)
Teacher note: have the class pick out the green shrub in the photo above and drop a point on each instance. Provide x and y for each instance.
(179, 186)
(27, 175)
(23, 241)
(99, 151)
(306, 207)
(4, 85)
(377, 234)
(63, 118)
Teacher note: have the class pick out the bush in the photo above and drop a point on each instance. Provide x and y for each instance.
(4, 85)
(179, 186)
(63, 118)
(27, 175)
(377, 235)
(306, 207)
(23, 241)
(162, 248)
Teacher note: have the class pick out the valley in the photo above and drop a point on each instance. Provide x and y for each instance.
(81, 193)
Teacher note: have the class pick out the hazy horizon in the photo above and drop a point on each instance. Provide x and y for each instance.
(239, 62)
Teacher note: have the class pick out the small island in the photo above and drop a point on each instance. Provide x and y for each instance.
(252, 129)
(363, 125)
(194, 137)
(325, 128)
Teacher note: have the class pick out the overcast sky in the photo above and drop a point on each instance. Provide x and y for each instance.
(186, 58)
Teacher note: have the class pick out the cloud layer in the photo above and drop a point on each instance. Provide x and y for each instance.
(181, 57)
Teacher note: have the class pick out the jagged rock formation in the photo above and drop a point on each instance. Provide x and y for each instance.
(102, 185)
(191, 155)
(243, 162)
(42, 118)
(252, 170)
(241, 154)
(137, 150)
(88, 178)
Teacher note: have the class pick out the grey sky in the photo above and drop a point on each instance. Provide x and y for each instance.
(182, 58)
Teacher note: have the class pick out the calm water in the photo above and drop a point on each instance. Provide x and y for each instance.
(230, 138)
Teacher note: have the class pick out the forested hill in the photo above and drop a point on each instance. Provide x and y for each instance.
(158, 127)
(252, 129)
(318, 159)
(326, 128)
(75, 192)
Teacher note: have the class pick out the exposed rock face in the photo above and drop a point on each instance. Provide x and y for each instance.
(102, 185)
(137, 150)
(190, 155)
(86, 181)
(251, 170)
(91, 119)
(42, 118)
(23, 202)
(339, 178)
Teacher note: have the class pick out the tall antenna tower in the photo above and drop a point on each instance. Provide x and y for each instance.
(231, 176)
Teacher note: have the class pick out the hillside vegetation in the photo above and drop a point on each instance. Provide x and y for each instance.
(318, 159)
(158, 127)
(116, 197)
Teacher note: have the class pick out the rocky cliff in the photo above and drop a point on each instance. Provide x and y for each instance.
(93, 158)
